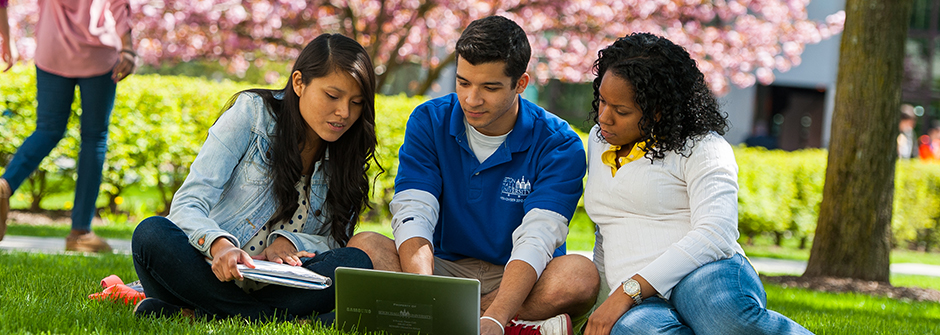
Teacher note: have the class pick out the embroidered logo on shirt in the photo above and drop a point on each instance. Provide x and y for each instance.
(515, 190)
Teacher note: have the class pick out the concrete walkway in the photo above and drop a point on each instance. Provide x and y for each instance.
(772, 266)
(763, 265)
(53, 245)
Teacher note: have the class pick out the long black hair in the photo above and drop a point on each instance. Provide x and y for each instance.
(669, 88)
(349, 156)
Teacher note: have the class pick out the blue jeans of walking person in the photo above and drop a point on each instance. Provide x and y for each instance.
(721, 297)
(171, 270)
(54, 95)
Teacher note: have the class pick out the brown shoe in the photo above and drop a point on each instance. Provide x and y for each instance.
(88, 242)
(5, 194)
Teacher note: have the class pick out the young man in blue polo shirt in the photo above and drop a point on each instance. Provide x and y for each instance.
(486, 185)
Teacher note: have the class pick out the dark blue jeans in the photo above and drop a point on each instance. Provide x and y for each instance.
(171, 270)
(54, 95)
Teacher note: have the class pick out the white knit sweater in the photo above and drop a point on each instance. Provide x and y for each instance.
(663, 219)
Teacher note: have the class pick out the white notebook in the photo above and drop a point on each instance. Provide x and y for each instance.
(284, 274)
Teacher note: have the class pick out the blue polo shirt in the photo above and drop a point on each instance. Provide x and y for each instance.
(540, 165)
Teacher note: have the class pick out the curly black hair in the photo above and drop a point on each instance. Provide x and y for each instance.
(669, 88)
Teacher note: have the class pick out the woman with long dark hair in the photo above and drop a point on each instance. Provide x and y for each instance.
(662, 189)
(281, 177)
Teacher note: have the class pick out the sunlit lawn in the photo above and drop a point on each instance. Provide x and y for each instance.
(49, 294)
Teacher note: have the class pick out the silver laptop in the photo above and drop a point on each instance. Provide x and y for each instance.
(406, 303)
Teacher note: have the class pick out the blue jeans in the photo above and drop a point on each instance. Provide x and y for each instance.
(721, 297)
(54, 96)
(171, 270)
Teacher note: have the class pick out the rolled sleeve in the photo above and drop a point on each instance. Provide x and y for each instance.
(414, 214)
(202, 239)
(534, 241)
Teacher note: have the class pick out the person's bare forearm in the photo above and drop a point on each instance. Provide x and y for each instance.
(518, 280)
(417, 256)
(4, 25)
(127, 42)
(7, 48)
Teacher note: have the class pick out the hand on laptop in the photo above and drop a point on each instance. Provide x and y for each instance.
(283, 251)
(225, 258)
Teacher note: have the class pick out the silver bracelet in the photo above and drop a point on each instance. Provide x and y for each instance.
(501, 328)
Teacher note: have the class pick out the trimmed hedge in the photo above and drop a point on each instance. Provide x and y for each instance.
(160, 122)
(780, 193)
(158, 125)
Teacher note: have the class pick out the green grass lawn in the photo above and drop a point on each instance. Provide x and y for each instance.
(48, 294)
(58, 285)
(851, 313)
(916, 281)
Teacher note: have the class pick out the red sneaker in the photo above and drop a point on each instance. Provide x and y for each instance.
(558, 325)
(521, 329)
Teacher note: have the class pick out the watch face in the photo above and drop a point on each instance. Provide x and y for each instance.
(631, 287)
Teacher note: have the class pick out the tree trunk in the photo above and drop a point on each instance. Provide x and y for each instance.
(37, 182)
(853, 231)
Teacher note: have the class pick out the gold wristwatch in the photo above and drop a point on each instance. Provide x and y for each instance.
(632, 288)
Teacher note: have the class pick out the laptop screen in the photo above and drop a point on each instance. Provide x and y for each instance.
(406, 303)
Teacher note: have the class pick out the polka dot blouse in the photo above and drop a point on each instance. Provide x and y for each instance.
(295, 224)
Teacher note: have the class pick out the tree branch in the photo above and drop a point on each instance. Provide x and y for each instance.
(435, 72)
(352, 16)
(394, 61)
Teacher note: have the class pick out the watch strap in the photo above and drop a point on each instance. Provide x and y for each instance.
(637, 295)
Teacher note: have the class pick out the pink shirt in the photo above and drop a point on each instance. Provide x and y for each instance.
(80, 38)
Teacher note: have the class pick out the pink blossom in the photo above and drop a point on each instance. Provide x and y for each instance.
(733, 41)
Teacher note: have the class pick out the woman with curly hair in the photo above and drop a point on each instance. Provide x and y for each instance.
(662, 189)
(282, 178)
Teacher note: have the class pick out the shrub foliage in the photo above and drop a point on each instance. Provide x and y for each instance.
(780, 193)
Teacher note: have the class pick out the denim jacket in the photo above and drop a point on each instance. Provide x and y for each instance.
(228, 190)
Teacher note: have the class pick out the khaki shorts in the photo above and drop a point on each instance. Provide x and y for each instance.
(489, 274)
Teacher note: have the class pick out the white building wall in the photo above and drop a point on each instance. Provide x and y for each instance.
(739, 105)
(818, 70)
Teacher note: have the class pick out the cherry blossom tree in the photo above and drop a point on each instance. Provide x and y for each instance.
(735, 41)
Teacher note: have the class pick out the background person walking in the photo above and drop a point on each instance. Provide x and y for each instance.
(78, 42)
